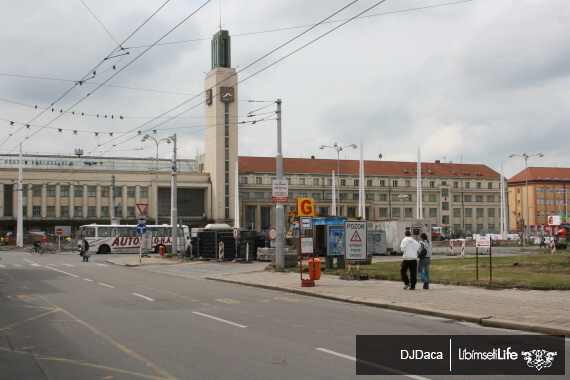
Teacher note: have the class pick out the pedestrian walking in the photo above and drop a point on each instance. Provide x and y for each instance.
(84, 251)
(425, 260)
(542, 242)
(409, 247)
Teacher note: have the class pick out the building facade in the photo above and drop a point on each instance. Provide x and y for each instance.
(465, 197)
(546, 195)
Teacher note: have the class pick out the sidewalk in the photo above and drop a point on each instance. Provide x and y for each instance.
(545, 312)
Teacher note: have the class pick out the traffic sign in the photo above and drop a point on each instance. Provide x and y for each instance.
(141, 228)
(235, 232)
(272, 233)
(306, 222)
(483, 241)
(355, 235)
(142, 207)
(59, 231)
(305, 207)
(142, 219)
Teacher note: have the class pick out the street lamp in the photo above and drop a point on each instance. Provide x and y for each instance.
(403, 197)
(526, 157)
(168, 140)
(338, 148)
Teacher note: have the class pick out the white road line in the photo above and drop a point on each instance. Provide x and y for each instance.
(103, 265)
(372, 364)
(69, 265)
(34, 264)
(219, 319)
(86, 279)
(145, 297)
(2, 266)
(109, 286)
(57, 270)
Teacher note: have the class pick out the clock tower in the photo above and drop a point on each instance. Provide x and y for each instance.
(221, 129)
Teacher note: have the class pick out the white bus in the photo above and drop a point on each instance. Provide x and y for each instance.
(112, 238)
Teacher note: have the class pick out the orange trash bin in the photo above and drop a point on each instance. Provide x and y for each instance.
(315, 269)
(162, 250)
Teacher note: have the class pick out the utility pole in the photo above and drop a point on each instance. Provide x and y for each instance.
(113, 193)
(174, 200)
(279, 211)
(20, 221)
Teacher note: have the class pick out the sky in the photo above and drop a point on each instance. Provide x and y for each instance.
(460, 81)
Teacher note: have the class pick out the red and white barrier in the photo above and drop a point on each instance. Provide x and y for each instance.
(451, 248)
(463, 248)
(552, 246)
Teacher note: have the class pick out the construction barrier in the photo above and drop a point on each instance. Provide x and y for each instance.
(552, 246)
(451, 248)
(463, 248)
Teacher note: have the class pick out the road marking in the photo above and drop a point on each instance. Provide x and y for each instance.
(145, 297)
(226, 300)
(2, 266)
(109, 286)
(86, 279)
(57, 270)
(32, 263)
(219, 319)
(103, 265)
(372, 364)
(69, 265)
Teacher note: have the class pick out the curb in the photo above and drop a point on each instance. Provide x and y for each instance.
(483, 320)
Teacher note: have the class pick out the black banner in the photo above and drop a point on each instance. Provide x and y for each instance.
(460, 355)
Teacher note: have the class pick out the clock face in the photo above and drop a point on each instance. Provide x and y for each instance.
(227, 94)
(209, 96)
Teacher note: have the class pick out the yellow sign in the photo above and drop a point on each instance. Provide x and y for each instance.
(305, 207)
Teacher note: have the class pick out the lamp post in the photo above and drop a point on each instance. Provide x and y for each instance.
(403, 197)
(168, 140)
(526, 157)
(338, 148)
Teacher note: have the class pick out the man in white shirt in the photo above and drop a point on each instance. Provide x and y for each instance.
(409, 247)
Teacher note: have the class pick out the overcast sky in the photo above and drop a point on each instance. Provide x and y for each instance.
(465, 81)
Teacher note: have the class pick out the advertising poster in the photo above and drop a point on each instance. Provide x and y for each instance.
(335, 245)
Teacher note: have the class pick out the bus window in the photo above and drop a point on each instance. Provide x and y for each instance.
(104, 231)
(89, 231)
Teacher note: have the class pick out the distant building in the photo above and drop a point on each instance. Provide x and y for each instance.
(547, 196)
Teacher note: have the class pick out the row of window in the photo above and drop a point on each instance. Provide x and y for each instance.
(542, 201)
(551, 189)
(370, 197)
(408, 212)
(78, 191)
(78, 211)
(369, 182)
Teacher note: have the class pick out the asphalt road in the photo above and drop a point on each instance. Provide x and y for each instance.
(64, 319)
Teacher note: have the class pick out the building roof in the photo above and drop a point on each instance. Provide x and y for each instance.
(543, 175)
(371, 168)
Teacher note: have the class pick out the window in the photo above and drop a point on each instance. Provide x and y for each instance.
(469, 228)
(369, 182)
(383, 212)
(130, 211)
(490, 185)
(104, 192)
(315, 182)
(408, 183)
(445, 219)
(328, 195)
(382, 183)
(343, 196)
(244, 194)
(479, 227)
(78, 191)
(24, 210)
(478, 185)
(104, 210)
(432, 212)
(243, 180)
(478, 198)
(395, 183)
(302, 195)
(64, 191)
(539, 189)
(431, 183)
(343, 182)
(395, 212)
(457, 198)
(456, 184)
(316, 195)
(50, 190)
(301, 181)
(91, 211)
(467, 185)
(432, 198)
(479, 212)
(258, 180)
(456, 212)
(383, 197)
(91, 190)
(24, 191)
(78, 211)
(356, 182)
(445, 192)
(143, 191)
(355, 196)
(64, 210)
(468, 212)
(118, 191)
(468, 198)
(369, 197)
(408, 212)
(443, 183)
(490, 198)
(50, 210)
(131, 191)
(491, 212)
(445, 205)
(258, 194)
(36, 211)
(329, 181)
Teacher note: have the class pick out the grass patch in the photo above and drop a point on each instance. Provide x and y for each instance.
(533, 271)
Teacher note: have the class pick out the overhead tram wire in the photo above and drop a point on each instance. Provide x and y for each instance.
(215, 95)
(89, 73)
(100, 23)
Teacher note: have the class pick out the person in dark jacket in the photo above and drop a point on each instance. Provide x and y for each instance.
(84, 252)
